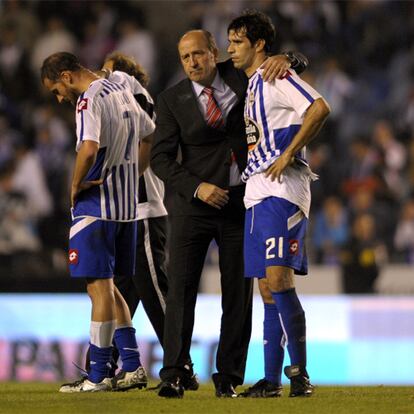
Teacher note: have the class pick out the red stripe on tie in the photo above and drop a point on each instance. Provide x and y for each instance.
(214, 116)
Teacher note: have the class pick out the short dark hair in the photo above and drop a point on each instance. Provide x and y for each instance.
(128, 65)
(211, 42)
(55, 64)
(256, 25)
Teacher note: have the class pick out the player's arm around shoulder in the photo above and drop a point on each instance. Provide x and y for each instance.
(276, 66)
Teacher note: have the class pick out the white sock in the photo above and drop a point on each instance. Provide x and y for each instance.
(102, 333)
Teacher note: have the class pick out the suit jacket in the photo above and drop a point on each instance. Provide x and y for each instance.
(205, 151)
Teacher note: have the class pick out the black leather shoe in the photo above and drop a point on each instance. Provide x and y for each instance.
(190, 383)
(300, 385)
(225, 390)
(262, 389)
(171, 389)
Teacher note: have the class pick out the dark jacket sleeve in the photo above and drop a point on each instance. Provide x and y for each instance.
(299, 62)
(165, 150)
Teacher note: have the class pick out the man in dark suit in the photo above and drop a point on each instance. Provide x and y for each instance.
(203, 117)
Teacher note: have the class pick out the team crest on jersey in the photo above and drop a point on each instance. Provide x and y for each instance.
(82, 104)
(73, 256)
(294, 247)
(253, 132)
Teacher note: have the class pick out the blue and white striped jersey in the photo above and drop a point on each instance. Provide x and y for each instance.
(108, 114)
(151, 188)
(273, 114)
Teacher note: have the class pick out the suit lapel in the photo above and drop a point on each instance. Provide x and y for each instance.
(187, 99)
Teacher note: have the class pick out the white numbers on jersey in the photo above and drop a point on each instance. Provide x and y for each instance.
(271, 244)
(128, 116)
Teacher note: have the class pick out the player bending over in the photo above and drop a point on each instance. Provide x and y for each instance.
(104, 200)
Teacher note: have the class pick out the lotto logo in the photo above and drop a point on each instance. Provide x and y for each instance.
(73, 256)
(293, 246)
(83, 104)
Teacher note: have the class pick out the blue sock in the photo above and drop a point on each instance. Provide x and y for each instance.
(126, 343)
(293, 319)
(100, 363)
(274, 351)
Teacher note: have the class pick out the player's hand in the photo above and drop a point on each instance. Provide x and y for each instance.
(275, 171)
(275, 67)
(84, 185)
(212, 195)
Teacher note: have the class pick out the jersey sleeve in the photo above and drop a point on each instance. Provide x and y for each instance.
(146, 124)
(293, 92)
(88, 120)
(141, 95)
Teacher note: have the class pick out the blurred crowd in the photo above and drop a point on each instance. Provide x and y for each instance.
(361, 60)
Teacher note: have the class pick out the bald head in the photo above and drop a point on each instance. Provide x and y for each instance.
(201, 34)
(198, 54)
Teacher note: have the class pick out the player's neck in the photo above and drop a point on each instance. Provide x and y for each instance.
(257, 62)
(86, 78)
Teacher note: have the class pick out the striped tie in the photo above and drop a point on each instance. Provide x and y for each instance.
(214, 117)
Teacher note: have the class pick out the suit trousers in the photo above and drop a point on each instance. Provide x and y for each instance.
(190, 238)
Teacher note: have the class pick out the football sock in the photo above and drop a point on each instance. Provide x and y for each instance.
(126, 343)
(100, 365)
(274, 351)
(293, 323)
(100, 350)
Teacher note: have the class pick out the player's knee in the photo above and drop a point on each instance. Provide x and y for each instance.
(280, 278)
(279, 284)
(101, 289)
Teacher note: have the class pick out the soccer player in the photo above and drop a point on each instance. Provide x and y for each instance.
(104, 199)
(149, 284)
(281, 118)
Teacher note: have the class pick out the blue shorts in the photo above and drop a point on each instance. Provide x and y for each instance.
(100, 249)
(274, 235)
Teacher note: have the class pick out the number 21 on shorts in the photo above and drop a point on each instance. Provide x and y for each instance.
(271, 247)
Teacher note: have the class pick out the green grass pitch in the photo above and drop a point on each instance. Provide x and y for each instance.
(43, 398)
